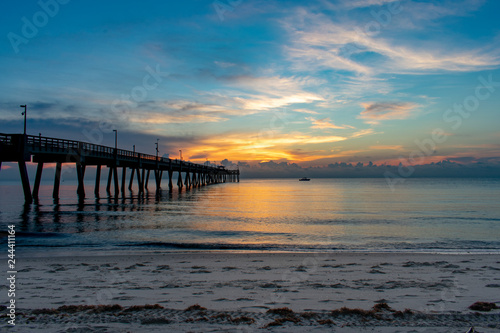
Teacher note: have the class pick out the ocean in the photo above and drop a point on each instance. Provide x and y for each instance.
(420, 215)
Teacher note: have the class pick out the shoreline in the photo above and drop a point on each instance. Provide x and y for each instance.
(437, 288)
(56, 251)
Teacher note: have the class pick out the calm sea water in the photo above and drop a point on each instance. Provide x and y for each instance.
(438, 215)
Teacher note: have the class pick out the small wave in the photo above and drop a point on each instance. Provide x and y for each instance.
(41, 234)
(480, 247)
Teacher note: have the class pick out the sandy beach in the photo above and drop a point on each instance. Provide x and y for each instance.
(390, 292)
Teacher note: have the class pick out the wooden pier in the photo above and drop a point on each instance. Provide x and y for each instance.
(22, 148)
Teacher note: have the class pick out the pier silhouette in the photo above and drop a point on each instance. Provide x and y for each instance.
(22, 148)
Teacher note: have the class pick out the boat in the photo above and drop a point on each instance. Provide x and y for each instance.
(304, 179)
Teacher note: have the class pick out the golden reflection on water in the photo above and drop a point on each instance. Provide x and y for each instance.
(320, 212)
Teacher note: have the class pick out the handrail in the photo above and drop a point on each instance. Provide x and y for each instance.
(41, 143)
(6, 138)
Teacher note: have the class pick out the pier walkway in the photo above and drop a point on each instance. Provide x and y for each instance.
(22, 148)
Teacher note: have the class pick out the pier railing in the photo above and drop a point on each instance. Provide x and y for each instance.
(40, 149)
(40, 144)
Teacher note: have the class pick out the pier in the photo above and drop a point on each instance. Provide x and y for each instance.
(23, 148)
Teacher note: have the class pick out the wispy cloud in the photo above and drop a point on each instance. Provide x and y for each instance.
(352, 4)
(325, 123)
(268, 92)
(375, 112)
(364, 132)
(387, 147)
(318, 41)
(306, 111)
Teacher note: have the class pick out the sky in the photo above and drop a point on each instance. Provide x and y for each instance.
(301, 83)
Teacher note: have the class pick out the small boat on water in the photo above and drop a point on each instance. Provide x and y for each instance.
(304, 179)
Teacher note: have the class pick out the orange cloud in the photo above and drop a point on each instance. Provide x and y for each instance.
(364, 132)
(268, 146)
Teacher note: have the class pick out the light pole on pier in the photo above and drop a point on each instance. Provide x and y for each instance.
(157, 148)
(180, 153)
(116, 139)
(25, 115)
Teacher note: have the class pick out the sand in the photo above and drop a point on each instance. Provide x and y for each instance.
(235, 292)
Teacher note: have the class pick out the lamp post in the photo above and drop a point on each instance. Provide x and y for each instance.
(25, 115)
(180, 153)
(116, 139)
(157, 148)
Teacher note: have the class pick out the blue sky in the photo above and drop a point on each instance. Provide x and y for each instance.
(313, 83)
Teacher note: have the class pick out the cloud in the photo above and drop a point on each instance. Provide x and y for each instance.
(375, 112)
(446, 168)
(263, 146)
(158, 118)
(365, 3)
(319, 42)
(264, 102)
(358, 134)
(325, 123)
(305, 111)
(264, 93)
(224, 64)
(420, 15)
(387, 147)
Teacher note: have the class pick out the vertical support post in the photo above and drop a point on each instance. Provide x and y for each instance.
(147, 180)
(26, 181)
(80, 173)
(57, 181)
(117, 184)
(170, 173)
(97, 181)
(131, 179)
(158, 175)
(110, 176)
(139, 182)
(142, 179)
(179, 179)
(124, 179)
(186, 181)
(38, 178)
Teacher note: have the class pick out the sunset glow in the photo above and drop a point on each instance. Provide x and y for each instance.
(313, 84)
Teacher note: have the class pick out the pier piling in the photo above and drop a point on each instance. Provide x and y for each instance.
(22, 148)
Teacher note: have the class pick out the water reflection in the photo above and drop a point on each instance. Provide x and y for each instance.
(326, 213)
(103, 214)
